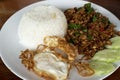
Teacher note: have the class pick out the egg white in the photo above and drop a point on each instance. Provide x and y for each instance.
(48, 62)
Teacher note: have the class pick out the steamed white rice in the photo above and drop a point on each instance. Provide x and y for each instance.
(39, 22)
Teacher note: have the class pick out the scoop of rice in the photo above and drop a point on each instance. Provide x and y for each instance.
(39, 22)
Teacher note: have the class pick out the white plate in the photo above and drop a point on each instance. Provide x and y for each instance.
(9, 42)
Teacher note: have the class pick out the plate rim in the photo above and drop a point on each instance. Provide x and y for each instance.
(33, 4)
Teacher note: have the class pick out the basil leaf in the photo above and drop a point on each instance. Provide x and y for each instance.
(74, 26)
(94, 18)
(77, 33)
(88, 8)
(71, 41)
(89, 37)
(84, 30)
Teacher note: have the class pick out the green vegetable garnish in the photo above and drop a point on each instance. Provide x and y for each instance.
(79, 8)
(89, 37)
(103, 20)
(88, 8)
(84, 30)
(94, 18)
(76, 33)
(109, 22)
(74, 26)
(71, 41)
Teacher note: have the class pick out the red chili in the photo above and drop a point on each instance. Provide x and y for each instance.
(91, 27)
(101, 29)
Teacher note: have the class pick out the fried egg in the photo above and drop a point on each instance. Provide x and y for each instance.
(50, 64)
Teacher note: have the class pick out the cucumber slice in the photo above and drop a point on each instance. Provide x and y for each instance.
(115, 43)
(107, 55)
(101, 67)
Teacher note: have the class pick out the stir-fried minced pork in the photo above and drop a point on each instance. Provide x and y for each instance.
(88, 30)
